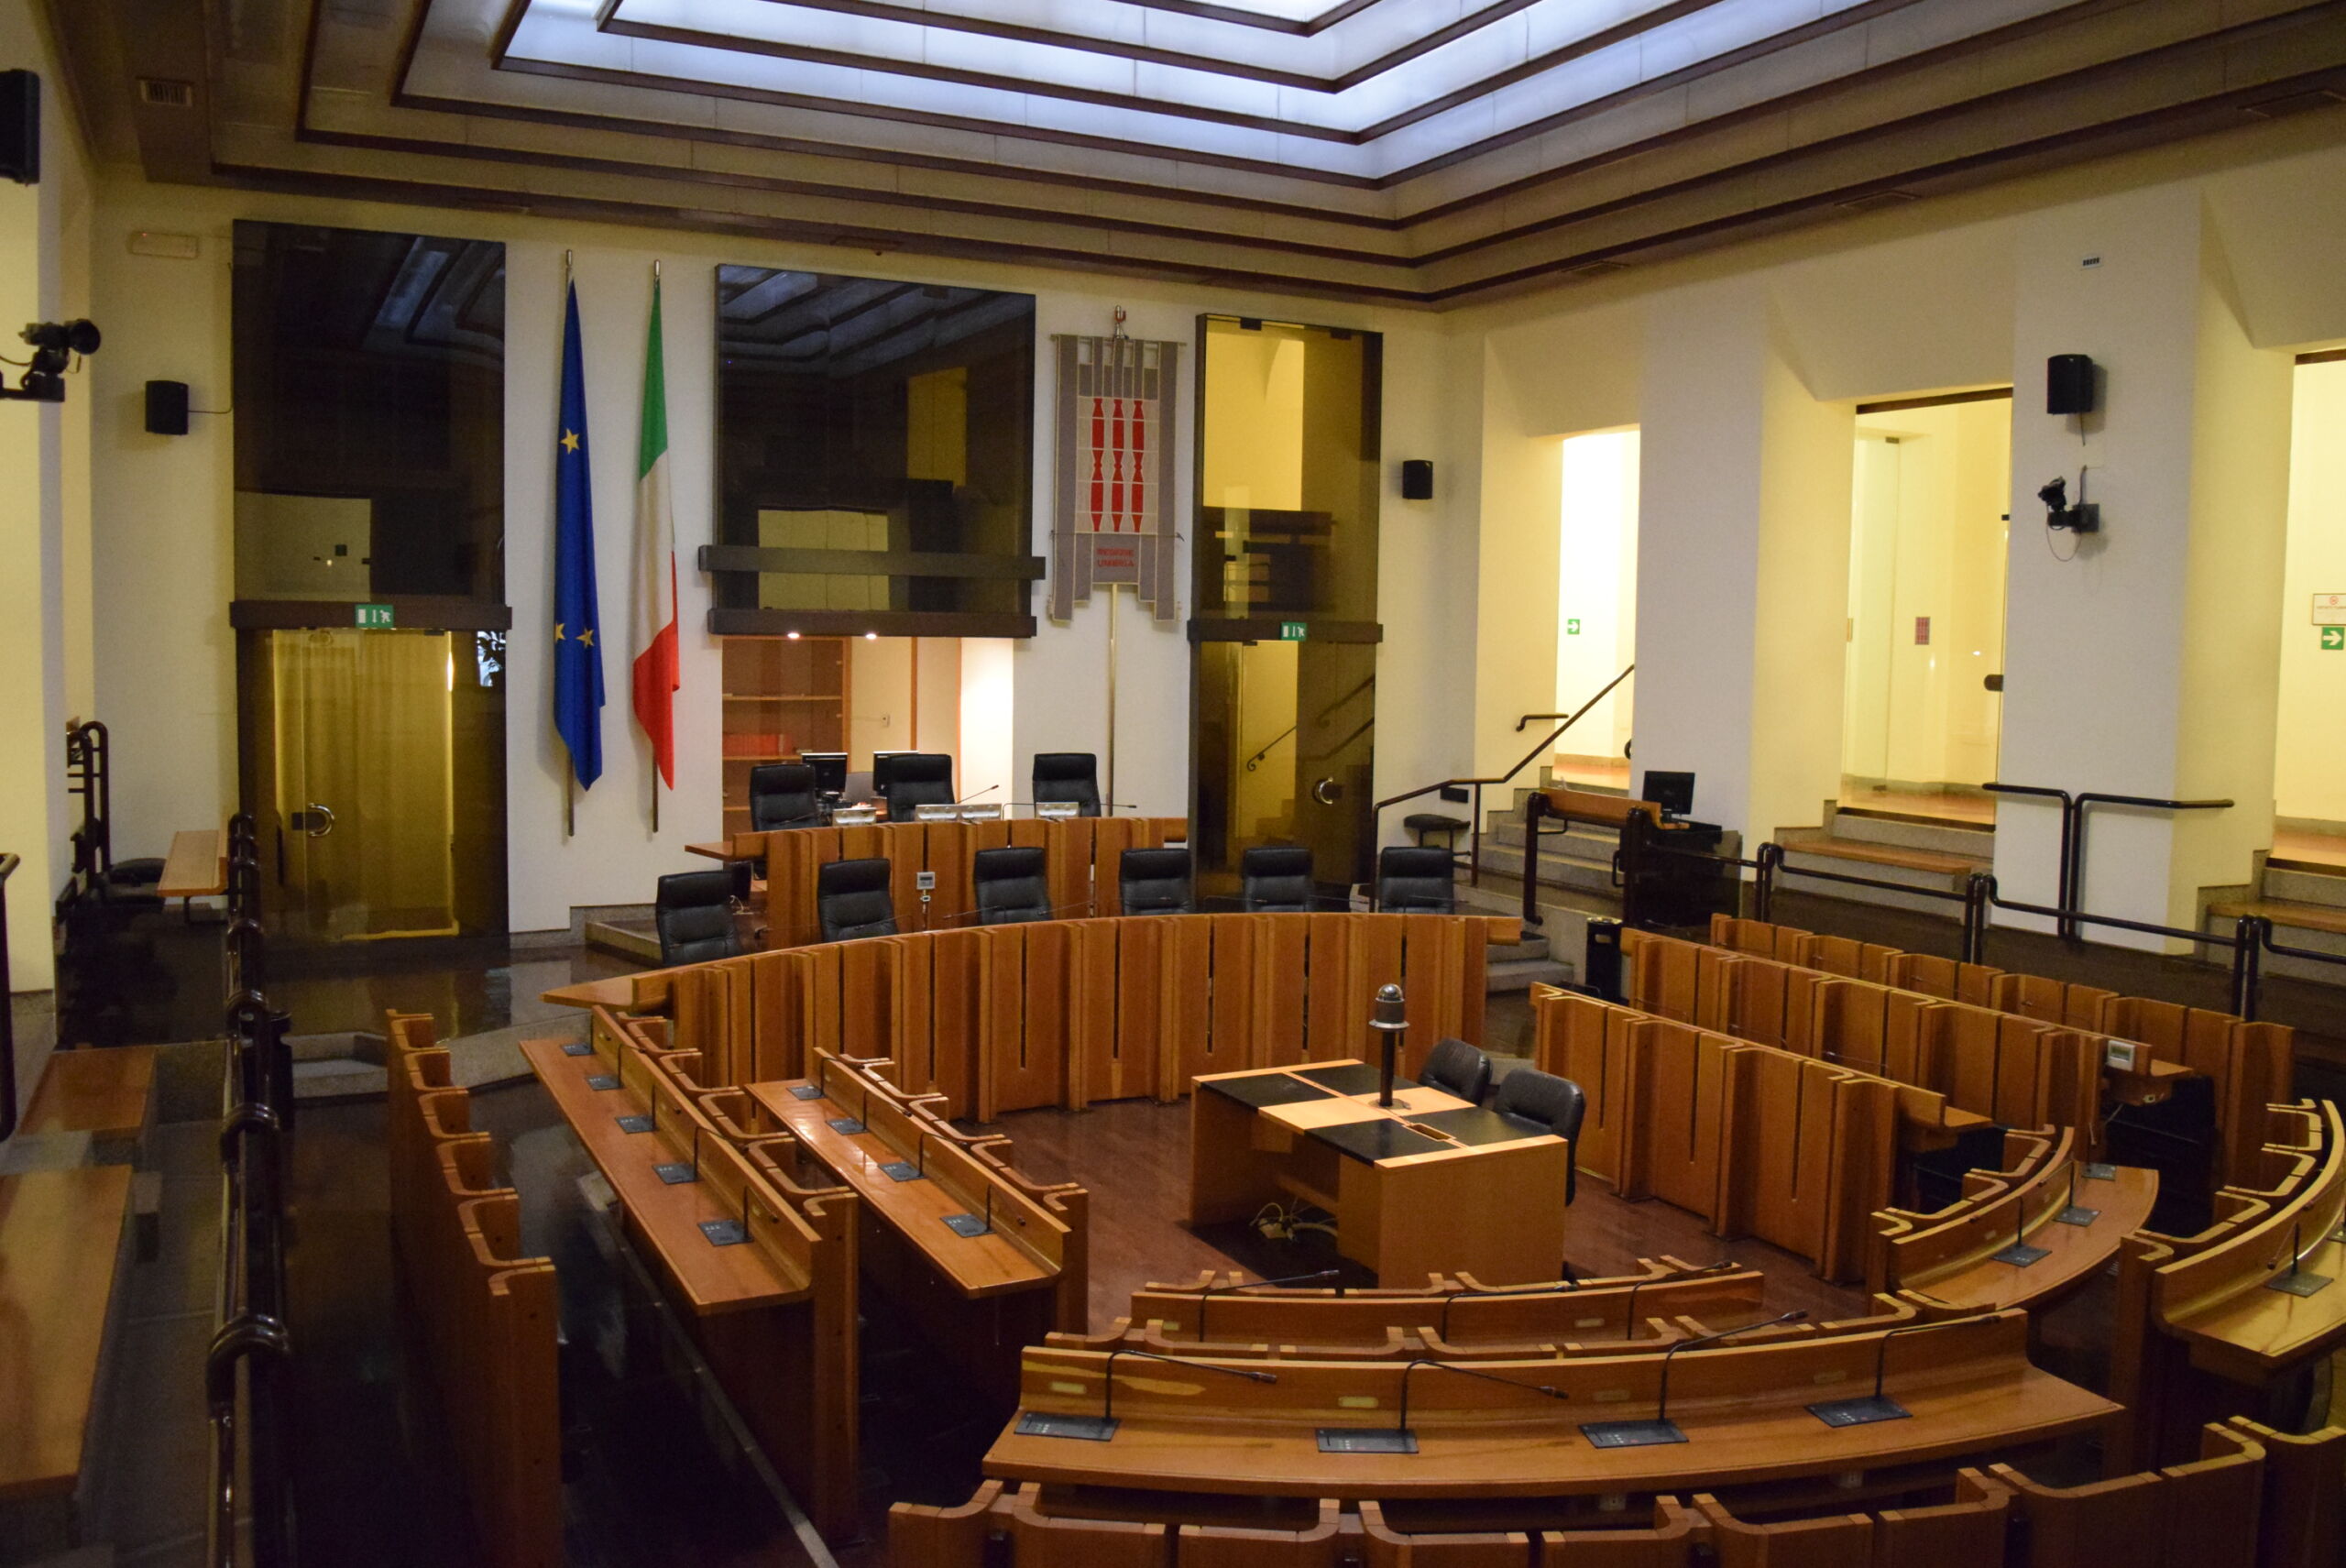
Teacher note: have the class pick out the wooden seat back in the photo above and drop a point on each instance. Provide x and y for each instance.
(1669, 1543)
(1044, 1541)
(1972, 1531)
(1386, 1547)
(1242, 1546)
(2301, 1520)
(1837, 1541)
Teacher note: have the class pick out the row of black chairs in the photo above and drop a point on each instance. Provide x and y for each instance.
(1535, 1100)
(803, 794)
(695, 912)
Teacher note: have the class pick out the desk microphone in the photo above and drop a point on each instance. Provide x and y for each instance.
(1206, 1293)
(1867, 1409)
(1630, 1307)
(1567, 1283)
(1101, 1427)
(1661, 1428)
(2297, 1281)
(1400, 1439)
(972, 795)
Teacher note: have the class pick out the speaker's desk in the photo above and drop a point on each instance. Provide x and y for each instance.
(1432, 1186)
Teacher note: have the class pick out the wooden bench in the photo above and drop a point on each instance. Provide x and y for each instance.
(195, 868)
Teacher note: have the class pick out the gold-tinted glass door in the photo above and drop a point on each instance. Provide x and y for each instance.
(359, 783)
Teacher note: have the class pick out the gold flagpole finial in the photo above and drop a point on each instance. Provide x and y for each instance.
(655, 269)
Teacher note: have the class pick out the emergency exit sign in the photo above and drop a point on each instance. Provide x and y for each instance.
(1291, 631)
(374, 618)
(2333, 639)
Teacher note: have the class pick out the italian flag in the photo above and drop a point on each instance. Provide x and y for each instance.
(657, 671)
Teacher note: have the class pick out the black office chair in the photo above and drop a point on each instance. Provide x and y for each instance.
(1155, 882)
(1549, 1103)
(1274, 879)
(908, 779)
(1457, 1068)
(783, 795)
(852, 900)
(1068, 775)
(694, 911)
(1416, 881)
(1011, 886)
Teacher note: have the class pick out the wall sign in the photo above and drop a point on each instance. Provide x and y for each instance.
(2329, 610)
(373, 617)
(1291, 631)
(2333, 639)
(1571, 628)
(1922, 631)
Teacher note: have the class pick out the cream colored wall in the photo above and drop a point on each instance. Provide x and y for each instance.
(938, 692)
(2310, 771)
(1597, 586)
(880, 698)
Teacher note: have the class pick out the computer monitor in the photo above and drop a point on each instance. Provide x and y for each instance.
(831, 769)
(1674, 792)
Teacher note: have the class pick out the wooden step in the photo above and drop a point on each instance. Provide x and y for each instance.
(103, 1092)
(1803, 842)
(60, 1233)
(2281, 912)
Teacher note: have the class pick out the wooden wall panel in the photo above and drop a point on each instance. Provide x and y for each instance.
(1433, 952)
(956, 1018)
(1233, 990)
(1373, 946)
(1282, 950)
(1091, 1012)
(1329, 985)
(1682, 1078)
(1186, 1002)
(912, 1021)
(1140, 1007)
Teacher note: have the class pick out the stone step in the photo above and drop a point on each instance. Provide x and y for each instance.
(2317, 927)
(2305, 883)
(1555, 870)
(1522, 974)
(1919, 868)
(1967, 840)
(1592, 844)
(636, 939)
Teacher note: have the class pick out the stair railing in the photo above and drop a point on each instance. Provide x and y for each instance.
(8, 864)
(1475, 849)
(2069, 881)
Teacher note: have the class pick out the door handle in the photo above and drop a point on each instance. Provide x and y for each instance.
(318, 821)
(1327, 791)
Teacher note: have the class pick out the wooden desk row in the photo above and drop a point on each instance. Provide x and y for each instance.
(2249, 1064)
(488, 1314)
(2206, 1323)
(1081, 857)
(1065, 1013)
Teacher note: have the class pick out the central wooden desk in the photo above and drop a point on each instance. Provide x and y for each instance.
(1432, 1186)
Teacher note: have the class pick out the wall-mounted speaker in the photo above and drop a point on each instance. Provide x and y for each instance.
(167, 407)
(2069, 384)
(1416, 480)
(20, 126)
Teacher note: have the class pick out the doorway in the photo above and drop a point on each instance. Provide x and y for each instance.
(1596, 605)
(1284, 623)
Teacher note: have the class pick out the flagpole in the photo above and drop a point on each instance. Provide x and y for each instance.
(569, 768)
(653, 760)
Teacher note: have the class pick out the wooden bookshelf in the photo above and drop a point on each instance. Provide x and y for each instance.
(783, 696)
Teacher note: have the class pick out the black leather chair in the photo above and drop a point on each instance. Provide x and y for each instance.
(1544, 1102)
(1011, 886)
(1457, 1068)
(694, 911)
(907, 780)
(1068, 775)
(1155, 882)
(852, 900)
(783, 795)
(1416, 881)
(1274, 879)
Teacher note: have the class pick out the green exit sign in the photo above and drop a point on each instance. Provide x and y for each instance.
(1571, 628)
(2333, 639)
(374, 617)
(1291, 631)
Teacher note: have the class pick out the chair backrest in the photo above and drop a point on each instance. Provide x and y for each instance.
(1457, 1068)
(852, 899)
(1068, 775)
(1011, 886)
(1556, 1104)
(831, 769)
(1416, 880)
(1155, 882)
(694, 911)
(906, 780)
(1274, 879)
(781, 795)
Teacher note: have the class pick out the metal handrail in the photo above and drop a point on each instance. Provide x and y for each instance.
(2069, 881)
(1253, 761)
(1474, 852)
(8, 864)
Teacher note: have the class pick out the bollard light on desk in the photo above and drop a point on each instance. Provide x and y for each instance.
(1390, 1021)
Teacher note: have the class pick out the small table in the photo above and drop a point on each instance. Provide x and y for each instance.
(195, 868)
(720, 850)
(1433, 1185)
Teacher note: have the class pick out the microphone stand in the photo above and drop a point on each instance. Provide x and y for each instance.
(2297, 1281)
(2020, 1255)
(1866, 1409)
(1630, 1307)
(1391, 1019)
(1661, 1428)
(1206, 1293)
(1400, 1439)
(1101, 1427)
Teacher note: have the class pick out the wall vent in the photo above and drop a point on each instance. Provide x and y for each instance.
(1873, 200)
(165, 95)
(2293, 104)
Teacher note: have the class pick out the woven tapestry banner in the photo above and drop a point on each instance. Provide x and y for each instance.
(1116, 407)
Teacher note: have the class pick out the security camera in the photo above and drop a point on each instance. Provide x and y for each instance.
(54, 345)
(2056, 496)
(2083, 518)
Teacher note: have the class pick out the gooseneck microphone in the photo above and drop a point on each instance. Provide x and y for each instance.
(1867, 1409)
(1661, 1428)
(1207, 1292)
(1401, 1437)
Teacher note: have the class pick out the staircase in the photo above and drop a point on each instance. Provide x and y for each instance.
(1580, 861)
(1914, 851)
(2305, 901)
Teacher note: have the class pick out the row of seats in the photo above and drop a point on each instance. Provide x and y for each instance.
(803, 794)
(695, 913)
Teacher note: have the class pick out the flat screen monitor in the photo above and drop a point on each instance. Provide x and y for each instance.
(1674, 792)
(831, 769)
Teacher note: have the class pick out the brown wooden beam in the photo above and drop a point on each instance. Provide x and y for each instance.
(856, 622)
(869, 562)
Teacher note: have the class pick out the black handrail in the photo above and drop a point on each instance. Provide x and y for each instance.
(1253, 761)
(8, 864)
(2070, 883)
(1475, 851)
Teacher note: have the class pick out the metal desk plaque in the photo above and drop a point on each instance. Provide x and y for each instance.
(805, 1091)
(633, 1124)
(966, 1225)
(724, 1233)
(1368, 1439)
(675, 1173)
(901, 1170)
(846, 1126)
(1861, 1411)
(1631, 1434)
(603, 1083)
(578, 1049)
(1087, 1429)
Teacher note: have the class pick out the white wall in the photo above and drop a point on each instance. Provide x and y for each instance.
(1596, 588)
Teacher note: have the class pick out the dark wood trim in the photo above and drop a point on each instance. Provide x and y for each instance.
(869, 562)
(410, 612)
(2322, 356)
(1266, 629)
(856, 622)
(497, 46)
(1900, 405)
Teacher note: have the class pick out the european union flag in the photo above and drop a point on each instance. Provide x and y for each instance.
(577, 644)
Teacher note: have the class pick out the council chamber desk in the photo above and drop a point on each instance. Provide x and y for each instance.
(1434, 1184)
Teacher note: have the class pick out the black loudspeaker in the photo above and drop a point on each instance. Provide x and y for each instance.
(1601, 972)
(1416, 480)
(2069, 384)
(167, 407)
(20, 126)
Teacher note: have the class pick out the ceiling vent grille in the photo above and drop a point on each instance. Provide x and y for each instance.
(165, 95)
(1873, 201)
(2293, 104)
(1596, 270)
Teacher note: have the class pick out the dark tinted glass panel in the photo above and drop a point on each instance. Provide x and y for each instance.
(370, 404)
(858, 415)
